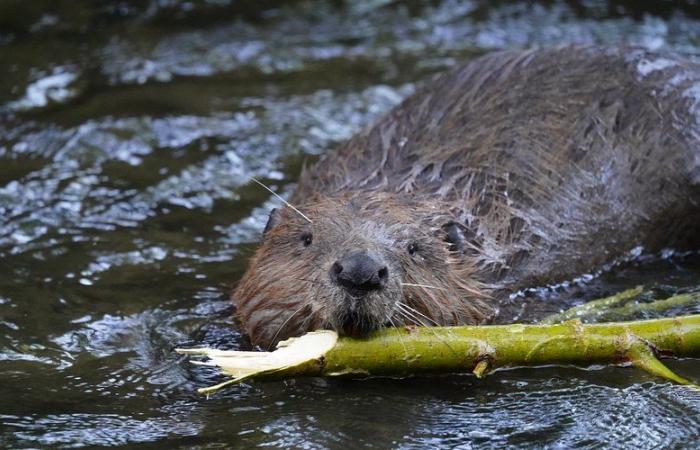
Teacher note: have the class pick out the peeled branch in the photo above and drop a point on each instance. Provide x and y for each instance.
(477, 349)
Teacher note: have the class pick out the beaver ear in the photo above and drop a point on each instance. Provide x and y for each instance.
(272, 220)
(454, 236)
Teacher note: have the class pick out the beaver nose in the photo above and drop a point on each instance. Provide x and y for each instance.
(359, 272)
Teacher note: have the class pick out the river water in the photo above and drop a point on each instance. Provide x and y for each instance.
(128, 133)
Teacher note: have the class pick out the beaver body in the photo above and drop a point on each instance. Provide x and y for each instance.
(519, 169)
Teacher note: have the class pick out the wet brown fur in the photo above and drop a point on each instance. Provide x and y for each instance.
(553, 163)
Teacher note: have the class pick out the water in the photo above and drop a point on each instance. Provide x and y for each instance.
(128, 131)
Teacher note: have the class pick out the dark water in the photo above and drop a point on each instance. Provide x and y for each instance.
(128, 131)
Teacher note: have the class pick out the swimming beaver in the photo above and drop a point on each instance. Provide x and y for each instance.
(519, 169)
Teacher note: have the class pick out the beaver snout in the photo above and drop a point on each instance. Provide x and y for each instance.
(359, 272)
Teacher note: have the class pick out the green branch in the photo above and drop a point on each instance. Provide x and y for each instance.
(620, 307)
(592, 309)
(478, 349)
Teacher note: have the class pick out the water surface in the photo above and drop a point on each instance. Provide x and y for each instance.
(128, 133)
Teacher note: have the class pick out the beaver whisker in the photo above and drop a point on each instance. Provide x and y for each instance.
(282, 199)
(437, 308)
(315, 282)
(411, 320)
(408, 313)
(428, 296)
(308, 319)
(285, 323)
(427, 286)
(403, 344)
(316, 301)
(322, 301)
(403, 305)
(437, 336)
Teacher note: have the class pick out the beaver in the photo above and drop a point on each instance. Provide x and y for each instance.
(519, 169)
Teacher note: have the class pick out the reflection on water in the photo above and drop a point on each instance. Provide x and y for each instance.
(128, 131)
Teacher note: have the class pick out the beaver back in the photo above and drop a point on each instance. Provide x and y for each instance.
(557, 160)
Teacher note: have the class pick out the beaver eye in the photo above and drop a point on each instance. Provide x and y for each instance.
(306, 239)
(412, 248)
(454, 237)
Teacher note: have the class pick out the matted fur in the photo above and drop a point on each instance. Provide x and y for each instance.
(553, 163)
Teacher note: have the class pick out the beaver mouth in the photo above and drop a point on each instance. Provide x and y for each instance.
(357, 324)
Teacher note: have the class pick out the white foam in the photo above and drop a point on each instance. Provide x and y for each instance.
(54, 88)
(693, 93)
(645, 67)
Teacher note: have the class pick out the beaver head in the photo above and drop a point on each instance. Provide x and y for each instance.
(355, 262)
